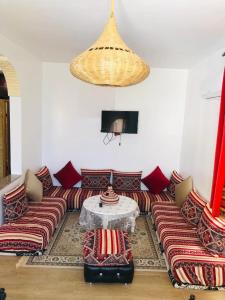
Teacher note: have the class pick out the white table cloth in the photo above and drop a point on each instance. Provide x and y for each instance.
(121, 215)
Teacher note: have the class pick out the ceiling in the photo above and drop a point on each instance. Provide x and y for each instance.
(168, 34)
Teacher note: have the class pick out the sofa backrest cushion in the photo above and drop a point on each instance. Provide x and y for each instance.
(156, 181)
(126, 181)
(34, 187)
(182, 190)
(211, 231)
(44, 176)
(192, 208)
(95, 179)
(175, 178)
(68, 176)
(15, 204)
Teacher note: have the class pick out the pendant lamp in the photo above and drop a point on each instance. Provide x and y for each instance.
(109, 61)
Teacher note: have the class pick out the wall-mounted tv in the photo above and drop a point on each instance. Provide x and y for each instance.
(119, 121)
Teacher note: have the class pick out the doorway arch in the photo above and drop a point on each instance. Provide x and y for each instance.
(10, 76)
(15, 140)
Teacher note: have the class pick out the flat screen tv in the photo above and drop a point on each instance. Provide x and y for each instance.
(119, 121)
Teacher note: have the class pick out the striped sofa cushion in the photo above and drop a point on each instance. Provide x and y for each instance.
(15, 204)
(175, 178)
(189, 261)
(105, 247)
(193, 207)
(95, 179)
(76, 196)
(44, 176)
(211, 231)
(35, 228)
(126, 181)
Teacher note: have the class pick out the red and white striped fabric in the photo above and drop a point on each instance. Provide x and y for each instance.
(189, 261)
(211, 231)
(76, 196)
(126, 181)
(15, 204)
(95, 179)
(193, 207)
(109, 241)
(107, 248)
(175, 178)
(33, 231)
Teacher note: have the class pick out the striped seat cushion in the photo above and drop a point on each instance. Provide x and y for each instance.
(76, 196)
(188, 260)
(145, 198)
(33, 231)
(106, 247)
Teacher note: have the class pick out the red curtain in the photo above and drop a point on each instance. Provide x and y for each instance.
(219, 164)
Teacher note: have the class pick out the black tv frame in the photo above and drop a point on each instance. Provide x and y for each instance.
(130, 117)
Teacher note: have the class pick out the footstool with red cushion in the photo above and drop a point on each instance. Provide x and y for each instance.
(107, 256)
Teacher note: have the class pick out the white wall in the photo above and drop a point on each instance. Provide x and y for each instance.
(201, 122)
(28, 148)
(72, 121)
(29, 71)
(160, 100)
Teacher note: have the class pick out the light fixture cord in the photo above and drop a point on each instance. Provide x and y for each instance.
(112, 8)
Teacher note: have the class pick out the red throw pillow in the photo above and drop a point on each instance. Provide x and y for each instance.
(68, 176)
(156, 181)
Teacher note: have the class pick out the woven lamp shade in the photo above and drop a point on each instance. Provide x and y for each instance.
(109, 61)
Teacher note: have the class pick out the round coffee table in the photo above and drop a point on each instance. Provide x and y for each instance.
(121, 215)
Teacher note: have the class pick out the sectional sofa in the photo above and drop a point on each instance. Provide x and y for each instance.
(193, 242)
(33, 223)
(29, 226)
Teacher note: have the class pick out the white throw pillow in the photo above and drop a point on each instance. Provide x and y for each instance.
(34, 187)
(182, 190)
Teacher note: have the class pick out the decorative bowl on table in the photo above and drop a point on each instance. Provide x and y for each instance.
(109, 197)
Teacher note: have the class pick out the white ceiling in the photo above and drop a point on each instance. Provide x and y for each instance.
(167, 33)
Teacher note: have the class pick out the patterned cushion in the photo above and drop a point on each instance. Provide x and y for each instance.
(192, 208)
(174, 179)
(76, 196)
(44, 176)
(95, 179)
(126, 181)
(15, 204)
(105, 247)
(211, 231)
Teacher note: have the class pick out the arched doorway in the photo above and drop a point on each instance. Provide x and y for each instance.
(4, 128)
(10, 120)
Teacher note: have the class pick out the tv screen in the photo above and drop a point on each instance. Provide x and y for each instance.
(119, 121)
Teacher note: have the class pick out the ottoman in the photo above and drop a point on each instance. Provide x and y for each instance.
(107, 256)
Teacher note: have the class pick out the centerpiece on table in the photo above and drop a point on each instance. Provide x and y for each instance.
(109, 197)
